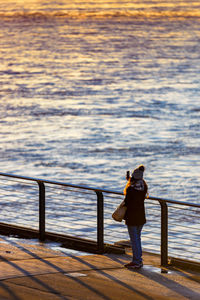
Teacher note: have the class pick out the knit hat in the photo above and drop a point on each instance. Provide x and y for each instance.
(138, 173)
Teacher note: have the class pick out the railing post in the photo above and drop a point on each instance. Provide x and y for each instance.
(41, 210)
(164, 234)
(100, 222)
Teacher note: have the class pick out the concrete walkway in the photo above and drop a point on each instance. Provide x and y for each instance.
(29, 271)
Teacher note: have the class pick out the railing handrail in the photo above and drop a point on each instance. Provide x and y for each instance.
(100, 211)
(97, 189)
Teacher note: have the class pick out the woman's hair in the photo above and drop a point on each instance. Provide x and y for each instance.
(127, 185)
(130, 181)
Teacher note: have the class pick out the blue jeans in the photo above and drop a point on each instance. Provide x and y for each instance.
(135, 237)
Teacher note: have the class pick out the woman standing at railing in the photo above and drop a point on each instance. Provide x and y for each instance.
(135, 193)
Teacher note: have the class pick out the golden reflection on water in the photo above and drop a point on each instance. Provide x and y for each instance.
(101, 8)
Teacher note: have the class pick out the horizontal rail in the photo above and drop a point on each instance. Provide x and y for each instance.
(96, 189)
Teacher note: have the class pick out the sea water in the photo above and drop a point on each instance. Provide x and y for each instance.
(89, 90)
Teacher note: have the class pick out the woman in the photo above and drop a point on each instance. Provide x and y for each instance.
(135, 193)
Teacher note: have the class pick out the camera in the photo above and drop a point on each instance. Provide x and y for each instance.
(127, 175)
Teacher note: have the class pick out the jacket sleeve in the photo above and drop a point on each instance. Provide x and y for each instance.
(145, 188)
(127, 197)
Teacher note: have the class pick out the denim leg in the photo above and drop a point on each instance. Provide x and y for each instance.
(135, 237)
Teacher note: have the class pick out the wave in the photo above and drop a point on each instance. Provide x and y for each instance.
(177, 149)
(79, 15)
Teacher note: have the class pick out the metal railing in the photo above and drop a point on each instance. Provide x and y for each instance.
(86, 212)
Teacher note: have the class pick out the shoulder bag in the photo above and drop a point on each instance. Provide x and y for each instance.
(119, 212)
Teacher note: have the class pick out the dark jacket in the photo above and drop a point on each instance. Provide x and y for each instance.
(134, 201)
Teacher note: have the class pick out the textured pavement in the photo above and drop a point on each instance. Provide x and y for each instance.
(29, 271)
